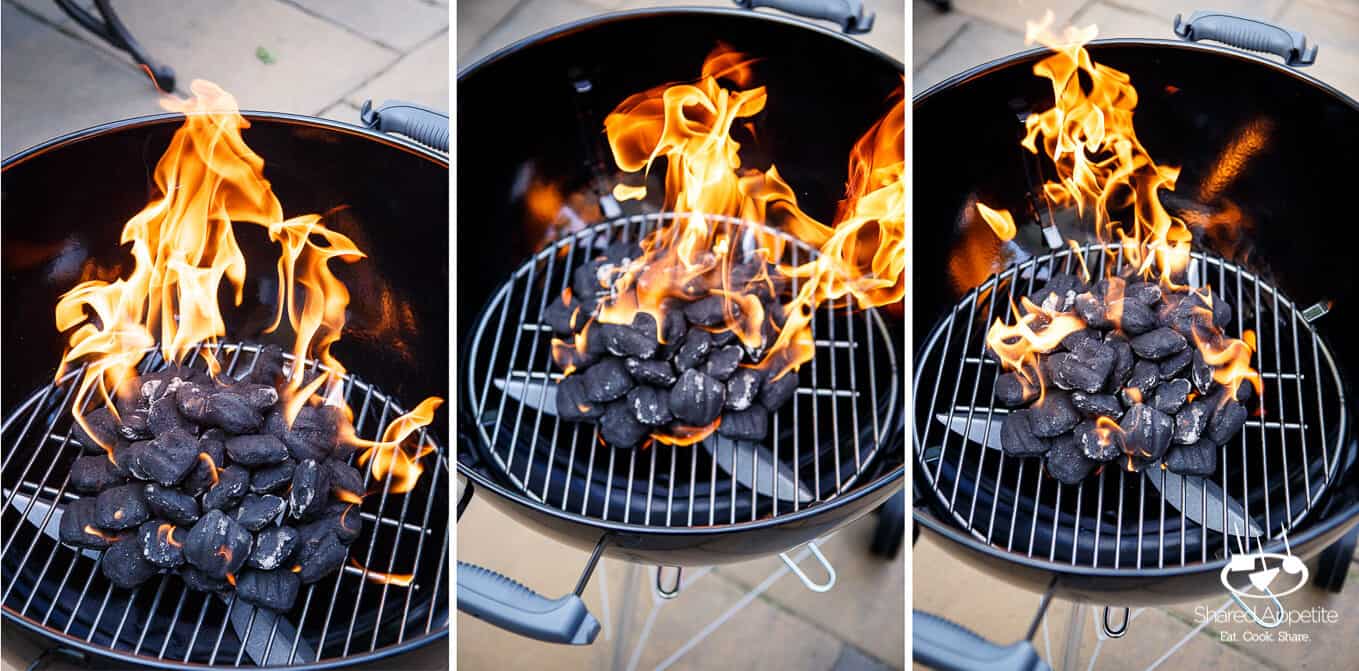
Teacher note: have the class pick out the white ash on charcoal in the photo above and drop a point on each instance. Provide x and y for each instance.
(1132, 388)
(205, 479)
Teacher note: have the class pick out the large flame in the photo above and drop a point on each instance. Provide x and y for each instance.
(693, 128)
(185, 254)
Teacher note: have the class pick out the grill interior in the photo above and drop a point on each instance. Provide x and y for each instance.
(1273, 474)
(60, 591)
(827, 436)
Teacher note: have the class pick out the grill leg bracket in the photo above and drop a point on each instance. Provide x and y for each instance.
(807, 581)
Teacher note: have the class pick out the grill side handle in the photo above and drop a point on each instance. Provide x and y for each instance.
(509, 605)
(941, 644)
(1249, 34)
(416, 122)
(848, 14)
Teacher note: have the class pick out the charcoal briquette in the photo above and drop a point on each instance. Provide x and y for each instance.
(1096, 443)
(1158, 344)
(674, 324)
(654, 373)
(232, 484)
(620, 340)
(1186, 314)
(272, 479)
(201, 581)
(128, 456)
(557, 315)
(1097, 405)
(275, 590)
(232, 413)
(256, 511)
(121, 507)
(259, 397)
(165, 417)
(607, 380)
(171, 504)
(1199, 458)
(1066, 462)
(267, 367)
(94, 472)
(709, 311)
(1081, 340)
(723, 362)
(314, 433)
(1226, 422)
(1222, 312)
(256, 450)
(1170, 396)
(1173, 365)
(619, 426)
(1053, 414)
(585, 280)
(217, 544)
(346, 483)
(1146, 431)
(1060, 292)
(1143, 381)
(211, 454)
(649, 405)
(1092, 309)
(1146, 293)
(78, 515)
(136, 425)
(320, 557)
(310, 490)
(124, 565)
(1192, 420)
(778, 391)
(723, 338)
(273, 547)
(170, 457)
(1017, 437)
(162, 543)
(573, 405)
(344, 521)
(1124, 360)
(742, 388)
(697, 399)
(102, 425)
(693, 349)
(1136, 318)
(1072, 372)
(749, 424)
(1201, 373)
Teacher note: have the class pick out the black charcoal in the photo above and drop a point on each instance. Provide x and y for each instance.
(1226, 422)
(565, 356)
(171, 504)
(620, 340)
(1135, 318)
(1158, 344)
(621, 252)
(94, 472)
(341, 519)
(697, 399)
(1192, 420)
(136, 425)
(1060, 292)
(103, 426)
(776, 392)
(1066, 462)
(232, 483)
(273, 547)
(742, 388)
(320, 557)
(723, 338)
(723, 362)
(346, 483)
(78, 526)
(124, 565)
(1013, 391)
(1090, 307)
(268, 366)
(259, 397)
(573, 405)
(607, 380)
(1098, 443)
(1085, 369)
(674, 325)
(256, 511)
(171, 457)
(1124, 360)
(1201, 373)
(649, 405)
(311, 487)
(1170, 396)
(166, 417)
(709, 311)
(1078, 341)
(619, 426)
(1097, 405)
(1146, 431)
(217, 545)
(275, 590)
(693, 349)
(1172, 366)
(1197, 459)
(256, 450)
(201, 581)
(749, 424)
(313, 434)
(655, 373)
(557, 315)
(121, 507)
(129, 457)
(231, 413)
(1144, 379)
(1146, 293)
(1017, 437)
(272, 479)
(1053, 415)
(162, 543)
(585, 280)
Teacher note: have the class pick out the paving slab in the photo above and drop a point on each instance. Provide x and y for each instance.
(529, 17)
(55, 84)
(1165, 10)
(1116, 21)
(49, 11)
(1156, 639)
(978, 42)
(475, 19)
(932, 30)
(1349, 7)
(1338, 34)
(399, 24)
(421, 76)
(1013, 13)
(342, 111)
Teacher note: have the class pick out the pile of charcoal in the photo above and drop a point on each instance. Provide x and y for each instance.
(1132, 387)
(672, 378)
(208, 481)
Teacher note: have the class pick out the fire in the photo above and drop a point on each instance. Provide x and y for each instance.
(348, 496)
(96, 531)
(166, 532)
(1018, 346)
(231, 578)
(697, 129)
(398, 579)
(185, 255)
(212, 466)
(1000, 221)
(390, 457)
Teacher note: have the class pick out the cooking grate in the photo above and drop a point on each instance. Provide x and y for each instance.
(822, 441)
(1271, 476)
(60, 592)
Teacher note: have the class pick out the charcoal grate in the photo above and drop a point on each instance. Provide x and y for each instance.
(59, 591)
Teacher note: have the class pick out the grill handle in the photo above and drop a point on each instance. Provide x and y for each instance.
(848, 14)
(504, 603)
(943, 645)
(416, 122)
(1249, 34)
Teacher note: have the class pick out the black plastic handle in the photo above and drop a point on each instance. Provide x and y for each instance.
(416, 122)
(490, 596)
(1249, 34)
(848, 14)
(940, 644)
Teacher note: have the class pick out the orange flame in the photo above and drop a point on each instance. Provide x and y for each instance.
(398, 579)
(166, 532)
(389, 456)
(212, 467)
(1017, 346)
(96, 531)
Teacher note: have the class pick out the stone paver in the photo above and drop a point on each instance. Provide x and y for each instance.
(1349, 7)
(528, 17)
(1165, 10)
(475, 19)
(931, 30)
(1338, 34)
(1116, 21)
(1013, 13)
(419, 77)
(977, 43)
(399, 24)
(343, 111)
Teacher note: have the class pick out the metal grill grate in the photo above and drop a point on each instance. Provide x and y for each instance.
(822, 441)
(61, 592)
(1266, 483)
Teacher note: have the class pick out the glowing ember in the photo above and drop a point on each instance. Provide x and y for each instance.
(398, 579)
